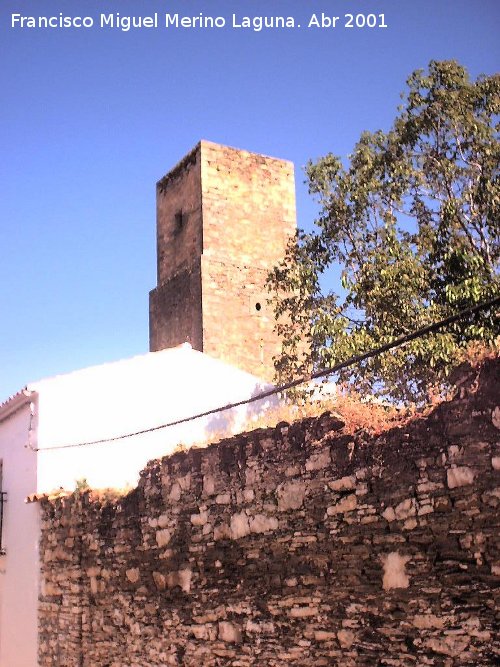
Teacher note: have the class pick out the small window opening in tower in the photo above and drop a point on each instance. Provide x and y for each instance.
(258, 306)
(180, 220)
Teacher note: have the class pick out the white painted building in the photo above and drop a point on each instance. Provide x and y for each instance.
(42, 429)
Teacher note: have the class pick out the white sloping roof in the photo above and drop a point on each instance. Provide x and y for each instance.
(131, 395)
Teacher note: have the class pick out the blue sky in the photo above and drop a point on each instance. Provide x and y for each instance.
(91, 119)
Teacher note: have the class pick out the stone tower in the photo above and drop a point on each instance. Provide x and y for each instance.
(224, 217)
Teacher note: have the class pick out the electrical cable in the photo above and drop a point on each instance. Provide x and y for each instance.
(397, 342)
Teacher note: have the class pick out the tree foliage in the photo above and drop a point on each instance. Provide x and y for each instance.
(413, 221)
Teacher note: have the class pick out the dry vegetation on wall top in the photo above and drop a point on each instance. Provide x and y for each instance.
(354, 413)
(369, 414)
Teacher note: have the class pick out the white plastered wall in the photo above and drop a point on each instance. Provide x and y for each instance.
(19, 566)
(128, 396)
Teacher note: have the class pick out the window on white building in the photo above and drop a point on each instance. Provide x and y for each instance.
(3, 498)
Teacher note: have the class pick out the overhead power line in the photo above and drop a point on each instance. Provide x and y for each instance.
(356, 359)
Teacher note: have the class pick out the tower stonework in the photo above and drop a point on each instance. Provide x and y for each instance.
(224, 218)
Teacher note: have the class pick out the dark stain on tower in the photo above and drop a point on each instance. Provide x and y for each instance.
(224, 218)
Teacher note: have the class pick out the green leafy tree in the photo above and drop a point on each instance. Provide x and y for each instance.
(413, 221)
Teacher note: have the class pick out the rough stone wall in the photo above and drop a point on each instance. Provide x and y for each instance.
(175, 304)
(248, 218)
(179, 240)
(175, 312)
(237, 215)
(299, 545)
(248, 205)
(238, 323)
